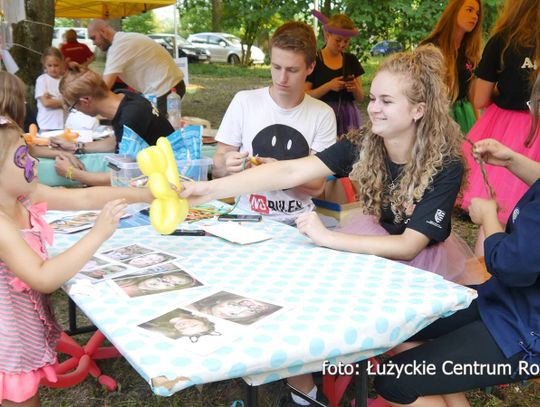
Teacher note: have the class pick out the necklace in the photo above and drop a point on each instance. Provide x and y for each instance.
(393, 180)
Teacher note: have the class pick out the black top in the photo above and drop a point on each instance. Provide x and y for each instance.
(464, 74)
(431, 215)
(464, 71)
(139, 115)
(322, 74)
(513, 80)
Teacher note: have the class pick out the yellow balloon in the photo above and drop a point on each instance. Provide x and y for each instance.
(171, 171)
(164, 215)
(160, 187)
(158, 164)
(151, 160)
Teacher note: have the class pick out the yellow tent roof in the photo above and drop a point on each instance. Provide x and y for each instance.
(106, 9)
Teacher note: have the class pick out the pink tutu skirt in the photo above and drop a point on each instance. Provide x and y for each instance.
(511, 128)
(23, 386)
(448, 259)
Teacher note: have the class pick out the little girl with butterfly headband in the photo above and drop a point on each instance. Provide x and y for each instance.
(27, 275)
(336, 77)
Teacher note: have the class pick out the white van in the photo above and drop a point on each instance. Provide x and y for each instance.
(82, 37)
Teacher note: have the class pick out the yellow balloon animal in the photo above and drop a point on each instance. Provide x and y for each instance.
(167, 209)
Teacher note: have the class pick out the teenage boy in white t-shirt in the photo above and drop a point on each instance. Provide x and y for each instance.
(279, 122)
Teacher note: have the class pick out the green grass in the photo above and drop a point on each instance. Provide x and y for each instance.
(229, 71)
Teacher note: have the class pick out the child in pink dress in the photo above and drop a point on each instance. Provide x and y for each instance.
(28, 329)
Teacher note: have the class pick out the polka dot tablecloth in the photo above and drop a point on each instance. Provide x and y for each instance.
(339, 306)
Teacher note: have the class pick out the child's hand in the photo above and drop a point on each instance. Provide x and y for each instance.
(310, 224)
(107, 221)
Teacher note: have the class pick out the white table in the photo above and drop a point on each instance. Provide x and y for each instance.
(343, 307)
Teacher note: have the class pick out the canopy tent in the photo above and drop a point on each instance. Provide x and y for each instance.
(106, 9)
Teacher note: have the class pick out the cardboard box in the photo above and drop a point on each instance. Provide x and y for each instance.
(336, 199)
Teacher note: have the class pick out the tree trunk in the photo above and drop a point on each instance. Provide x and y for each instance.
(35, 36)
(216, 15)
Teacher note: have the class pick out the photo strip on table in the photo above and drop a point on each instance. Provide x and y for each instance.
(155, 283)
(138, 256)
(238, 308)
(103, 272)
(196, 332)
(74, 222)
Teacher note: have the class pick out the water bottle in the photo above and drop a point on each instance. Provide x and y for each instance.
(174, 109)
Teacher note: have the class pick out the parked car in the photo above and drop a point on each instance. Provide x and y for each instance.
(82, 37)
(225, 47)
(386, 48)
(185, 48)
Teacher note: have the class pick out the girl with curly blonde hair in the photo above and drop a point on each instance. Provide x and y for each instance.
(407, 165)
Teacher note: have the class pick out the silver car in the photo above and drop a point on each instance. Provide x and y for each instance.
(225, 47)
(185, 48)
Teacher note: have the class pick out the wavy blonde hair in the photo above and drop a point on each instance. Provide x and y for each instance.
(443, 36)
(438, 137)
(79, 81)
(12, 97)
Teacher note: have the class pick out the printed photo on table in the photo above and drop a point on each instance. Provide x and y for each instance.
(160, 268)
(196, 332)
(126, 252)
(148, 259)
(104, 272)
(234, 307)
(156, 283)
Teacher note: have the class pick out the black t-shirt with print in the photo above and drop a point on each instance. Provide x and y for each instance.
(431, 215)
(139, 115)
(513, 79)
(322, 74)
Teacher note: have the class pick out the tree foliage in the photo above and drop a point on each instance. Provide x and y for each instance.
(407, 21)
(144, 23)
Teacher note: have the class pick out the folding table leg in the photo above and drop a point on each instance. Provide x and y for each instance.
(72, 321)
(361, 385)
(252, 398)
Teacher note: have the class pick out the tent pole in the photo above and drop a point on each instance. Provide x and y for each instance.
(175, 19)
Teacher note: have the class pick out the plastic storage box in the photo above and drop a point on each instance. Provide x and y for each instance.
(125, 171)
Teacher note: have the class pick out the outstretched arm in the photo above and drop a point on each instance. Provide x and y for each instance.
(48, 275)
(268, 177)
(67, 199)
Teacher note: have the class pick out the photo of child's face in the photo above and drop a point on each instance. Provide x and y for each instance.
(127, 252)
(234, 308)
(93, 263)
(156, 283)
(99, 273)
(238, 308)
(189, 326)
(164, 282)
(150, 259)
(181, 323)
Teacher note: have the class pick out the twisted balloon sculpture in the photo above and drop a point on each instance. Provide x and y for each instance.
(158, 164)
